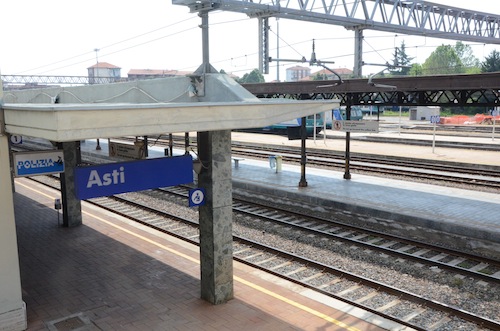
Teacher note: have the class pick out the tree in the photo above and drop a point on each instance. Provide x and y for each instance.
(401, 58)
(253, 77)
(444, 60)
(416, 70)
(491, 62)
(320, 76)
(466, 55)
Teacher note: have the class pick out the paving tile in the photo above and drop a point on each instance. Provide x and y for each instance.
(122, 283)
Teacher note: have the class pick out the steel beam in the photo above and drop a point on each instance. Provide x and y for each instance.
(443, 90)
(418, 18)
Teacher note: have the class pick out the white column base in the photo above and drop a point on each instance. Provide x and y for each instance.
(14, 320)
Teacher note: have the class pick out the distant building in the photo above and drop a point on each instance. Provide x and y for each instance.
(294, 74)
(344, 73)
(103, 72)
(424, 113)
(299, 73)
(138, 74)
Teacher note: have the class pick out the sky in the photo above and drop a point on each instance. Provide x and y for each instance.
(62, 37)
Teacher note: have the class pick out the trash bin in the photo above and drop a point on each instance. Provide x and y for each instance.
(275, 162)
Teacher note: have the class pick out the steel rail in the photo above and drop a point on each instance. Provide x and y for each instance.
(468, 316)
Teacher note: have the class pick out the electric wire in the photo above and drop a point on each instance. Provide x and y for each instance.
(287, 45)
(114, 44)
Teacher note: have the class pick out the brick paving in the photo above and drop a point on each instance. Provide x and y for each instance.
(109, 274)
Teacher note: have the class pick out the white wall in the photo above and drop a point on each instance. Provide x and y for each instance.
(12, 308)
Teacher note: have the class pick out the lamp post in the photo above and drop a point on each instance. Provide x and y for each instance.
(96, 70)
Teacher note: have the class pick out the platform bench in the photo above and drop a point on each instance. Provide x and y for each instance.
(237, 161)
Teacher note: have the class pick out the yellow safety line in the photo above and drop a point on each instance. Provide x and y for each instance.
(30, 188)
(239, 279)
(296, 304)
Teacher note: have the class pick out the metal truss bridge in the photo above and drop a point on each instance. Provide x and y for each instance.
(400, 16)
(411, 17)
(34, 81)
(447, 90)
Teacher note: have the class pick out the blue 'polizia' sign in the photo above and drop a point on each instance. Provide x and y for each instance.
(38, 163)
(115, 178)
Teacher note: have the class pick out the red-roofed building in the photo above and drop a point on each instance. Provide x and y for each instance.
(103, 72)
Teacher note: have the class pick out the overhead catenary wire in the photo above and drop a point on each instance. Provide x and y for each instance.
(287, 45)
(115, 44)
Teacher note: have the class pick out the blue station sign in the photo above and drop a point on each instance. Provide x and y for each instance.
(122, 177)
(38, 163)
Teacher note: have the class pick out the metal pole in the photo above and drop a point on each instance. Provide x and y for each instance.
(434, 137)
(96, 69)
(171, 144)
(146, 153)
(204, 37)
(186, 142)
(347, 174)
(277, 49)
(314, 128)
(303, 158)
(493, 133)
(96, 75)
(399, 126)
(494, 114)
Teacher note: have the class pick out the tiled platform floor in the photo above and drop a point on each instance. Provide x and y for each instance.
(109, 274)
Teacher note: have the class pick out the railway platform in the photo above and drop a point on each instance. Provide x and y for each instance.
(470, 218)
(405, 208)
(429, 212)
(111, 274)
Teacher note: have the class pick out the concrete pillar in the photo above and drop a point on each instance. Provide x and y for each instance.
(12, 307)
(358, 53)
(216, 216)
(72, 207)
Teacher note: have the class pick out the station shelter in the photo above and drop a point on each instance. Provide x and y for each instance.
(210, 104)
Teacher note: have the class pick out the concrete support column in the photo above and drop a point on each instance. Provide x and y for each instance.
(358, 53)
(216, 216)
(12, 307)
(72, 207)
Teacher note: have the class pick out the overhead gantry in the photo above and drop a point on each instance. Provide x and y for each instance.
(418, 18)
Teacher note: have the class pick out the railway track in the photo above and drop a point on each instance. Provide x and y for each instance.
(472, 175)
(407, 308)
(458, 262)
(422, 142)
(462, 130)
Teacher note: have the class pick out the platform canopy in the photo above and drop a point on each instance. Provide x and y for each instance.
(168, 105)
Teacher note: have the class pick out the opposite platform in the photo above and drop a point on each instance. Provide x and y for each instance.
(470, 217)
(471, 214)
(110, 274)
